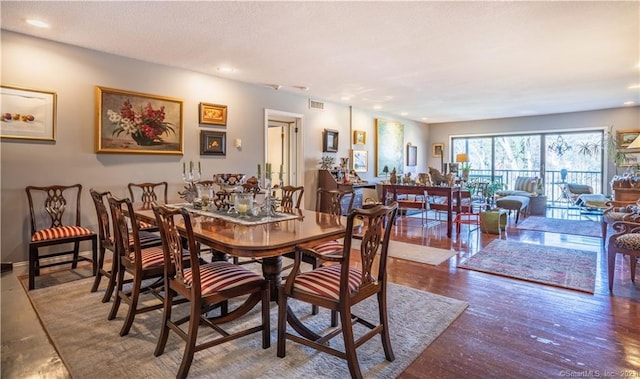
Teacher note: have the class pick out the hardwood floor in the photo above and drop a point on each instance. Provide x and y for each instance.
(513, 328)
(518, 329)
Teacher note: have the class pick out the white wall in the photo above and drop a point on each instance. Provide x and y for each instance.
(74, 72)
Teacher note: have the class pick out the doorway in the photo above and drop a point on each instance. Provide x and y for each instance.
(283, 146)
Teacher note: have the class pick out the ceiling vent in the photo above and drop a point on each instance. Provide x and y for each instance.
(314, 104)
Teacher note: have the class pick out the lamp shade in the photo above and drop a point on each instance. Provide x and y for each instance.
(465, 157)
(635, 144)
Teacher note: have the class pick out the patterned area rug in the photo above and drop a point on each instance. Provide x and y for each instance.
(91, 346)
(577, 227)
(561, 267)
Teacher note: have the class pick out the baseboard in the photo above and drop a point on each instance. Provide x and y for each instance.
(6, 266)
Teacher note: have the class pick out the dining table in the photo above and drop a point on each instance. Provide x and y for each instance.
(264, 238)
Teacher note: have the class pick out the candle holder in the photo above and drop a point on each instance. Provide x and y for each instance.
(269, 205)
(190, 193)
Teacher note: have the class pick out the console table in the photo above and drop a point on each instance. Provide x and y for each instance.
(452, 195)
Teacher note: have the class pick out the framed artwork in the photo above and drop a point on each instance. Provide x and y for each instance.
(359, 137)
(330, 141)
(137, 123)
(28, 114)
(412, 155)
(625, 137)
(213, 143)
(389, 146)
(360, 160)
(438, 148)
(213, 114)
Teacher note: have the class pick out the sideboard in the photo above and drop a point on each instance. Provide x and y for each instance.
(328, 180)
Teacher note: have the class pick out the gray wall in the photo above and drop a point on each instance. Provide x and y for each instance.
(74, 72)
(620, 118)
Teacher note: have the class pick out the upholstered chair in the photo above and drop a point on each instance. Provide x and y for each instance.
(339, 286)
(55, 220)
(616, 211)
(625, 241)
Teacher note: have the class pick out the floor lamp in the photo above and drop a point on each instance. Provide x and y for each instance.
(462, 159)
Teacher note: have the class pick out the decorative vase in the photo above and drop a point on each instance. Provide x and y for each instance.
(141, 139)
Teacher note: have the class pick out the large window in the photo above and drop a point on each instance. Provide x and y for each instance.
(570, 157)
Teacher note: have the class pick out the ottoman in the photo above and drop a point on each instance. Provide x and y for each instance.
(493, 221)
(514, 203)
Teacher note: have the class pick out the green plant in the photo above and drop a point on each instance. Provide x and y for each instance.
(494, 187)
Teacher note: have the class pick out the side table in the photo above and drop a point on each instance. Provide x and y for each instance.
(494, 221)
(538, 205)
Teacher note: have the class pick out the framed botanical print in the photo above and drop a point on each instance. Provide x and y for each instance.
(438, 148)
(359, 137)
(360, 160)
(137, 123)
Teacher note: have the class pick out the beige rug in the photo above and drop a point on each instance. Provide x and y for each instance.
(417, 253)
(91, 347)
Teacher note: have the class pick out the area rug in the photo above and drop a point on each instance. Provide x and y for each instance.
(561, 267)
(91, 347)
(416, 253)
(577, 227)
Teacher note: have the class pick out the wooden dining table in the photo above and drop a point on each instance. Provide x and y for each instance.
(267, 241)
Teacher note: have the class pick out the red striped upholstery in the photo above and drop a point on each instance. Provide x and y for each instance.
(219, 276)
(151, 256)
(325, 281)
(145, 237)
(146, 225)
(329, 247)
(60, 232)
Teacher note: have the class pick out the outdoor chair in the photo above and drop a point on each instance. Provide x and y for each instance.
(205, 286)
(340, 286)
(55, 220)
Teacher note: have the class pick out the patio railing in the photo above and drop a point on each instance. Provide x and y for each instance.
(553, 183)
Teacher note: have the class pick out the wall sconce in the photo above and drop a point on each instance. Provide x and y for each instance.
(237, 143)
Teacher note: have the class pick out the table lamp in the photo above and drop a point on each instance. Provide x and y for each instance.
(463, 158)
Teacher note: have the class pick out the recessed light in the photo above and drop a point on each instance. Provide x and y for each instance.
(634, 86)
(629, 102)
(404, 114)
(345, 98)
(376, 107)
(226, 70)
(424, 118)
(37, 23)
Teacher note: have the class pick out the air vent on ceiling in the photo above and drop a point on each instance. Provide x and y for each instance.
(314, 104)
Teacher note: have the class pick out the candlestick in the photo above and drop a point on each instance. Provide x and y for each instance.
(258, 171)
(191, 166)
(199, 168)
(184, 168)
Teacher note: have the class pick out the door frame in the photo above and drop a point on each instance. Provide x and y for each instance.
(295, 148)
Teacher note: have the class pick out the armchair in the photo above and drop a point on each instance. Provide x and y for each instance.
(625, 241)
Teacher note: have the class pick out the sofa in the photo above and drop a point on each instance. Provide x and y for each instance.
(524, 186)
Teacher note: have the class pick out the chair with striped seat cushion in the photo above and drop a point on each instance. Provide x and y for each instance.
(55, 220)
(340, 286)
(148, 193)
(204, 285)
(107, 242)
(141, 263)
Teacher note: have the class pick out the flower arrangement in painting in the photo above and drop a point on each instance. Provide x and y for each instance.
(145, 126)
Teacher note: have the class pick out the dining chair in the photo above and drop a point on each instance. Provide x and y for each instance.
(625, 241)
(204, 286)
(107, 242)
(55, 220)
(148, 193)
(340, 286)
(140, 263)
(291, 197)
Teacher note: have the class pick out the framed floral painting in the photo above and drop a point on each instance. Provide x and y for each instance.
(138, 123)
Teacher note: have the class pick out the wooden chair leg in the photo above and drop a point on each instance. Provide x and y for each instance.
(33, 259)
(100, 273)
(133, 306)
(611, 267)
(633, 262)
(190, 346)
(76, 253)
(94, 255)
(166, 318)
(117, 299)
(384, 320)
(112, 281)
(349, 344)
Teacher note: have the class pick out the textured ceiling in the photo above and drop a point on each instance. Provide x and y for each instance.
(443, 61)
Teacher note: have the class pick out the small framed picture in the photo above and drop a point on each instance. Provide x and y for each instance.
(438, 148)
(28, 114)
(412, 155)
(625, 137)
(213, 114)
(330, 141)
(359, 159)
(359, 137)
(213, 143)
